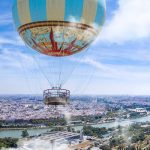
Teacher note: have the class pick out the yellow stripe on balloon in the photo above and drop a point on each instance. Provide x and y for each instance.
(55, 10)
(24, 11)
(89, 11)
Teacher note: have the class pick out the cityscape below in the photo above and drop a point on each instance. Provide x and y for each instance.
(32, 107)
(88, 122)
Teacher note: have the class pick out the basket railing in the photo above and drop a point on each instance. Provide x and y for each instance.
(56, 92)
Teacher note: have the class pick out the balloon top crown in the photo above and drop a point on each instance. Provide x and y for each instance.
(89, 12)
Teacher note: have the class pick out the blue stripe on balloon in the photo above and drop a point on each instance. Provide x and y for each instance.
(73, 10)
(15, 14)
(100, 15)
(38, 10)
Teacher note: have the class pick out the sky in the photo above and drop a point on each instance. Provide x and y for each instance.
(117, 63)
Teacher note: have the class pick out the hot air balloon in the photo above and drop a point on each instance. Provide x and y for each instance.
(58, 28)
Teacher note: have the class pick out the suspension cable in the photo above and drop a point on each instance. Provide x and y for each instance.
(25, 75)
(83, 55)
(41, 69)
(87, 82)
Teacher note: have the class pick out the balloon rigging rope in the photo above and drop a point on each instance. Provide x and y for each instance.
(50, 70)
(25, 76)
(75, 66)
(22, 67)
(38, 75)
(24, 72)
(76, 89)
(62, 78)
(61, 68)
(88, 82)
(41, 69)
(59, 78)
(61, 63)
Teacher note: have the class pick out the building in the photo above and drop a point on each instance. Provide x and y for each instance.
(138, 110)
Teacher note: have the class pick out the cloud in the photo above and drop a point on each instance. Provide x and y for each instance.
(135, 56)
(6, 19)
(92, 62)
(96, 64)
(130, 22)
(116, 71)
(12, 60)
(4, 40)
(19, 73)
(11, 40)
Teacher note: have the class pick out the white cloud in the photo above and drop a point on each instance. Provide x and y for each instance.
(19, 73)
(91, 62)
(13, 60)
(6, 19)
(119, 72)
(15, 41)
(130, 22)
(4, 40)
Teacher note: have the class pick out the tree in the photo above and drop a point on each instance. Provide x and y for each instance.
(116, 141)
(8, 143)
(92, 131)
(138, 137)
(69, 129)
(25, 133)
(1, 125)
(105, 147)
(113, 142)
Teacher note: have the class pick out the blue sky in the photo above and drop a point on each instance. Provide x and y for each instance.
(118, 62)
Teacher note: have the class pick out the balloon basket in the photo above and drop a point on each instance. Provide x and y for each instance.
(56, 96)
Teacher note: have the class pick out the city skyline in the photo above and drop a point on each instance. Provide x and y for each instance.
(116, 63)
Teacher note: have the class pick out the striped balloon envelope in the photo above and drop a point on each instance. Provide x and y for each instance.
(59, 27)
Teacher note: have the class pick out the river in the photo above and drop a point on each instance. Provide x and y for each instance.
(125, 122)
(34, 132)
(17, 133)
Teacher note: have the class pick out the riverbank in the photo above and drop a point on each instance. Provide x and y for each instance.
(16, 132)
(4, 129)
(83, 124)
